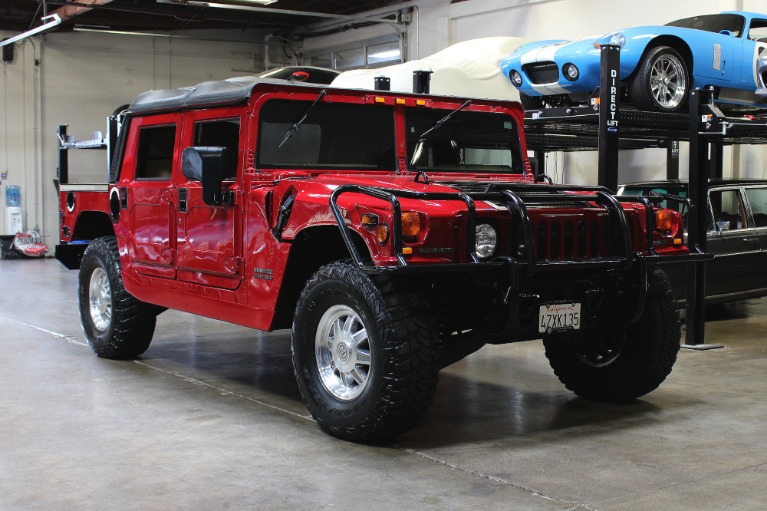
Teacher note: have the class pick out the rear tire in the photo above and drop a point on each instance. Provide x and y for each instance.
(364, 358)
(116, 324)
(628, 366)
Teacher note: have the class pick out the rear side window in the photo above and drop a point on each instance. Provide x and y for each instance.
(332, 136)
(155, 152)
(758, 199)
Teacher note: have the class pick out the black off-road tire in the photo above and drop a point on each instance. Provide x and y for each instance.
(121, 327)
(641, 86)
(641, 362)
(395, 356)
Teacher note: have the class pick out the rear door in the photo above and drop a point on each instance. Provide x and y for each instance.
(151, 212)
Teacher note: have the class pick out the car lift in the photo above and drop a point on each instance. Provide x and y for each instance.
(609, 129)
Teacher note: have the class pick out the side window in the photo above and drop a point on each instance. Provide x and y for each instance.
(728, 209)
(757, 197)
(220, 133)
(155, 152)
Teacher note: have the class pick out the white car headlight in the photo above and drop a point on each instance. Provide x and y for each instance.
(486, 240)
(618, 39)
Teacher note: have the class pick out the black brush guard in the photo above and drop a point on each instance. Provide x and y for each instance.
(512, 197)
(620, 256)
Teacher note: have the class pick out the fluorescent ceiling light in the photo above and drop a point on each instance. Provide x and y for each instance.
(54, 20)
(385, 54)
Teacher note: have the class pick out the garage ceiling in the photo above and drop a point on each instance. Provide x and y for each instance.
(174, 15)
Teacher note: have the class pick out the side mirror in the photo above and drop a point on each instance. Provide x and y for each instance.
(206, 165)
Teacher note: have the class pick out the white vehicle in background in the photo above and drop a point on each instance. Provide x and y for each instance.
(467, 69)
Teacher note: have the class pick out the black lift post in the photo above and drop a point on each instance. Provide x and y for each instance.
(698, 193)
(609, 107)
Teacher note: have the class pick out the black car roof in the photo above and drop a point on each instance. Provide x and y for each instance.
(206, 94)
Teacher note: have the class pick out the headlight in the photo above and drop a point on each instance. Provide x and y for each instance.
(570, 71)
(618, 39)
(486, 240)
(515, 77)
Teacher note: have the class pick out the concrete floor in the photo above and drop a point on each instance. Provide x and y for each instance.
(210, 419)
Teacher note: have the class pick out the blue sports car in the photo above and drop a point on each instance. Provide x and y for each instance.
(658, 64)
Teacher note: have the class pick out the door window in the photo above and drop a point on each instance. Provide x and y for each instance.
(220, 133)
(757, 197)
(155, 152)
(729, 212)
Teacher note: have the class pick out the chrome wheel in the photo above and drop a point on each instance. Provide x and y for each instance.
(100, 299)
(599, 359)
(342, 351)
(668, 81)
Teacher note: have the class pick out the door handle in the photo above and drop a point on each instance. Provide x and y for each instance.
(751, 241)
(182, 200)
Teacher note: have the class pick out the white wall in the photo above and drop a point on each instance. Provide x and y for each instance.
(79, 79)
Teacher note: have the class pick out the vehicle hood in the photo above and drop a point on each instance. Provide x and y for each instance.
(540, 51)
(437, 182)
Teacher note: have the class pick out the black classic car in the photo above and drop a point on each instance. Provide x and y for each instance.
(736, 235)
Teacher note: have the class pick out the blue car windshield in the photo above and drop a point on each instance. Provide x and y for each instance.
(712, 23)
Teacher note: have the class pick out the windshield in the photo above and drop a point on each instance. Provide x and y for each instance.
(712, 23)
(320, 135)
(466, 142)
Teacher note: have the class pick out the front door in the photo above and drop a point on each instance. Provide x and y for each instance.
(209, 238)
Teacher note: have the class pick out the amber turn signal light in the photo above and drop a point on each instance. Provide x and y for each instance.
(665, 219)
(411, 224)
(382, 233)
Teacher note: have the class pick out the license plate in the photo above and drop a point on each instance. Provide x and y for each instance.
(559, 316)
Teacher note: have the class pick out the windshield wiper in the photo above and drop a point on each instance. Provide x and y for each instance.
(442, 121)
(303, 117)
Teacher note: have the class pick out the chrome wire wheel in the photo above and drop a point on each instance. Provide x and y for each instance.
(668, 81)
(100, 299)
(342, 351)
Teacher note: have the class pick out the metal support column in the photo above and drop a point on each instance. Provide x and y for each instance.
(717, 160)
(540, 162)
(698, 192)
(609, 104)
(63, 171)
(672, 160)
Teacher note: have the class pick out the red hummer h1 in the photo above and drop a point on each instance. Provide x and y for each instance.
(394, 233)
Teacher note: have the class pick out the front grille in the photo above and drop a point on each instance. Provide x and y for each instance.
(542, 72)
(565, 238)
